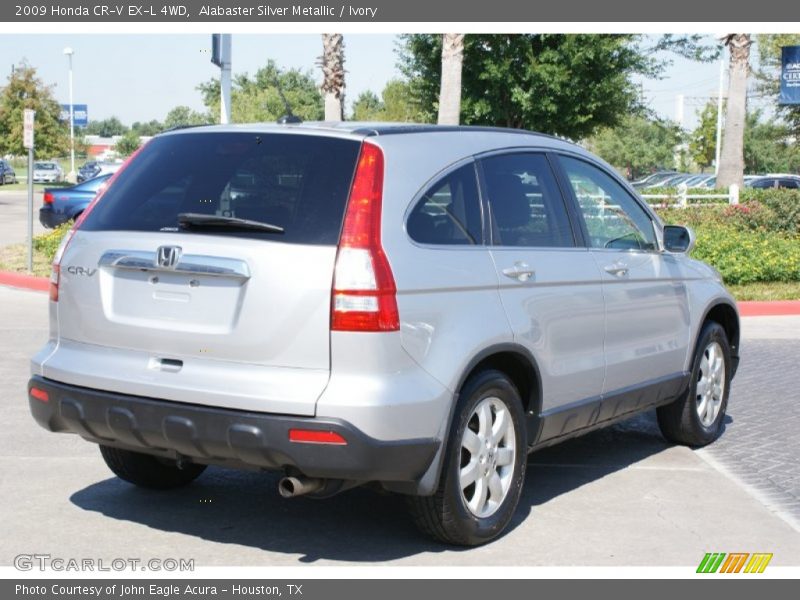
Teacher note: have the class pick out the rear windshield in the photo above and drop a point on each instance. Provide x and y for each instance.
(298, 182)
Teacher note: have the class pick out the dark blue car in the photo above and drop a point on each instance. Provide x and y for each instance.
(64, 204)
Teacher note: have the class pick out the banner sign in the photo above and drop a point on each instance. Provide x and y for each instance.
(790, 75)
(80, 114)
(28, 117)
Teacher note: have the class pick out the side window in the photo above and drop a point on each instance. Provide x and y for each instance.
(789, 184)
(761, 184)
(449, 212)
(526, 203)
(613, 218)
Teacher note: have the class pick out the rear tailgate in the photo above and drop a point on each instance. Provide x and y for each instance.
(221, 316)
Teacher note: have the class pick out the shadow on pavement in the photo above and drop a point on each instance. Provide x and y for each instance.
(244, 508)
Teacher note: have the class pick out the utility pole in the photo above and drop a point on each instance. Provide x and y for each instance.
(221, 56)
(71, 177)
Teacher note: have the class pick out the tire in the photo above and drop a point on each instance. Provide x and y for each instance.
(696, 418)
(148, 471)
(446, 515)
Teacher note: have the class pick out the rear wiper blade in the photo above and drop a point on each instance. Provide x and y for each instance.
(189, 220)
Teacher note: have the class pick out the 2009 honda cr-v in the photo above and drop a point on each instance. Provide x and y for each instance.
(416, 307)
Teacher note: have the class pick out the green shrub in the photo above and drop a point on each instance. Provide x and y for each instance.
(48, 243)
(749, 256)
(746, 243)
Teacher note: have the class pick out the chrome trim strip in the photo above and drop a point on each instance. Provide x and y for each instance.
(189, 264)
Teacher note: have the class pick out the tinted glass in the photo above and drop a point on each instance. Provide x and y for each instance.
(449, 213)
(763, 183)
(526, 204)
(92, 185)
(298, 182)
(789, 183)
(613, 218)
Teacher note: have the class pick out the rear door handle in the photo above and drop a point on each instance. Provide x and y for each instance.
(618, 269)
(520, 271)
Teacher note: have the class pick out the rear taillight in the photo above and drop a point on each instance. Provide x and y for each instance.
(364, 292)
(55, 274)
(48, 198)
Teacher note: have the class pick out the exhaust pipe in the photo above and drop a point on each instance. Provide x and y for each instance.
(290, 487)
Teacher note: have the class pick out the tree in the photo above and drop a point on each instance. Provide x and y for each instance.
(769, 72)
(731, 161)
(332, 63)
(182, 116)
(105, 127)
(638, 145)
(368, 107)
(25, 90)
(450, 88)
(569, 85)
(256, 99)
(128, 143)
(703, 140)
(769, 147)
(149, 128)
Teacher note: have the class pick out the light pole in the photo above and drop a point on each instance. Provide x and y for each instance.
(71, 177)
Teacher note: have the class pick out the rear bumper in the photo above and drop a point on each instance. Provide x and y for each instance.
(50, 218)
(225, 436)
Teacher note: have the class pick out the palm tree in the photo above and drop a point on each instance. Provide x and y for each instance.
(450, 90)
(731, 162)
(332, 63)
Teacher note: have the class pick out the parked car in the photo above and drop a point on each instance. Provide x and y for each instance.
(653, 179)
(47, 172)
(697, 180)
(7, 174)
(88, 170)
(99, 168)
(66, 204)
(361, 313)
(791, 182)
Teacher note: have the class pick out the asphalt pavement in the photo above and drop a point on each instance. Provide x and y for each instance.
(14, 224)
(620, 496)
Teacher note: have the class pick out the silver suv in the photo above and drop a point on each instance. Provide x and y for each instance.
(415, 307)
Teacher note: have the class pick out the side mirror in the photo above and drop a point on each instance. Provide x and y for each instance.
(678, 239)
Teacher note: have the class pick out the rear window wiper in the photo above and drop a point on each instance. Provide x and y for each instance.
(190, 220)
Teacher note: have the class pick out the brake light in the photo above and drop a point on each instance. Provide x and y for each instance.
(55, 273)
(364, 291)
(48, 198)
(315, 436)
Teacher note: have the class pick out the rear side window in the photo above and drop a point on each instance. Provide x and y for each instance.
(449, 212)
(527, 207)
(298, 182)
(764, 183)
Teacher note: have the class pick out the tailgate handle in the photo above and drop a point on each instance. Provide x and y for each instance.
(170, 365)
(189, 264)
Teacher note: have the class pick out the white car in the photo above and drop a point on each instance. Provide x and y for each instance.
(47, 172)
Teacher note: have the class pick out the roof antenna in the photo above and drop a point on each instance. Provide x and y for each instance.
(289, 118)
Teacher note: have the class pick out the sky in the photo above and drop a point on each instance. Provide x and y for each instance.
(141, 77)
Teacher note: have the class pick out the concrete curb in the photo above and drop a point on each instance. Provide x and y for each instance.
(746, 309)
(25, 282)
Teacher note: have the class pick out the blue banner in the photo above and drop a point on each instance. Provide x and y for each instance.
(80, 114)
(790, 75)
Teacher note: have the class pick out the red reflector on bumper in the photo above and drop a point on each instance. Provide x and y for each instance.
(315, 436)
(40, 394)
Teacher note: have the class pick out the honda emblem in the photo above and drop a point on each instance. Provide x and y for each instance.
(167, 257)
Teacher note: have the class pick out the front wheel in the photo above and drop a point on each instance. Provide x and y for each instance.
(696, 419)
(484, 466)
